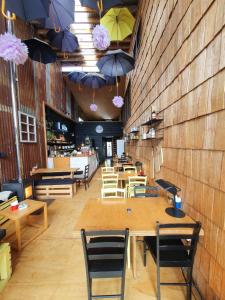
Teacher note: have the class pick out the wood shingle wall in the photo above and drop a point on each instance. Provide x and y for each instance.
(180, 72)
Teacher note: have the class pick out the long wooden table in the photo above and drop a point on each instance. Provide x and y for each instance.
(54, 170)
(137, 214)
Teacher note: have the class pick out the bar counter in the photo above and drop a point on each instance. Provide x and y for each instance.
(78, 161)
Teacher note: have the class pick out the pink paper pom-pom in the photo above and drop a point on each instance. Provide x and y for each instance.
(101, 39)
(118, 101)
(12, 49)
(93, 107)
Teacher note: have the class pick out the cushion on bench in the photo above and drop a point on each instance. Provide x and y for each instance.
(56, 174)
(57, 181)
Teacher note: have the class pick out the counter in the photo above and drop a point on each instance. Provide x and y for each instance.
(74, 162)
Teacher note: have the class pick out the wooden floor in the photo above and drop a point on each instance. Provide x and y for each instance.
(52, 266)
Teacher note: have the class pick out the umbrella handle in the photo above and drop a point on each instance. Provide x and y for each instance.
(4, 14)
(57, 29)
(100, 6)
(65, 56)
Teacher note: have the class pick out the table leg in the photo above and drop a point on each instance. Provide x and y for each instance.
(134, 255)
(45, 216)
(18, 235)
(128, 253)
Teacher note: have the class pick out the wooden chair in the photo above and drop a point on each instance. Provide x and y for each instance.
(107, 170)
(109, 180)
(174, 250)
(113, 193)
(84, 178)
(105, 254)
(130, 169)
(135, 181)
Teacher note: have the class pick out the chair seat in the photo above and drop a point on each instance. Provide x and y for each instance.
(173, 258)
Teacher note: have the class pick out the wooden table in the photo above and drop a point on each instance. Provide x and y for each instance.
(18, 215)
(137, 214)
(54, 170)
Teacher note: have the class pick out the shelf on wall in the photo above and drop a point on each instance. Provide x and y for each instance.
(152, 122)
(59, 144)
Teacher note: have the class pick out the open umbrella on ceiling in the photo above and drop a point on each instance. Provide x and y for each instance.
(116, 63)
(93, 80)
(119, 22)
(110, 80)
(76, 76)
(40, 51)
(63, 40)
(100, 5)
(26, 9)
(61, 14)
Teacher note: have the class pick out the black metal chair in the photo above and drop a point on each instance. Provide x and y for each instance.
(174, 250)
(105, 256)
(146, 191)
(83, 177)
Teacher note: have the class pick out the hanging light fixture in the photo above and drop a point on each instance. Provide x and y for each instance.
(93, 106)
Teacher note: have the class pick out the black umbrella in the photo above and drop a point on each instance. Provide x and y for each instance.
(110, 80)
(93, 80)
(40, 51)
(29, 10)
(63, 40)
(76, 76)
(96, 4)
(61, 14)
(116, 63)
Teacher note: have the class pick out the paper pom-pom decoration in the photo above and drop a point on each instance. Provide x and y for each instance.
(12, 49)
(93, 107)
(118, 101)
(101, 39)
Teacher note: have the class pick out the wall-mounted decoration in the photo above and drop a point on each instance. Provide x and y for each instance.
(27, 125)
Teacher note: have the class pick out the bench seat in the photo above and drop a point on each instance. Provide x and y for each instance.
(55, 188)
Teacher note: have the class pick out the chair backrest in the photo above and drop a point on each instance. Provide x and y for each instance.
(146, 191)
(107, 169)
(113, 193)
(131, 169)
(109, 180)
(86, 172)
(100, 246)
(137, 180)
(167, 242)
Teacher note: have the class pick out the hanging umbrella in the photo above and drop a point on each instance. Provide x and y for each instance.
(26, 9)
(40, 51)
(100, 5)
(76, 76)
(110, 80)
(119, 22)
(61, 15)
(116, 63)
(93, 80)
(63, 40)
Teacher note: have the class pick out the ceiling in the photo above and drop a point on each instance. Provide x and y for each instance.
(85, 59)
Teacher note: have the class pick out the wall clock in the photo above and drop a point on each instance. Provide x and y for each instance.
(99, 129)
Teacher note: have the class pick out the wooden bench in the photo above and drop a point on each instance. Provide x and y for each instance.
(5, 204)
(55, 188)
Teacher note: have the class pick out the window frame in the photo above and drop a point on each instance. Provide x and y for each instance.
(28, 123)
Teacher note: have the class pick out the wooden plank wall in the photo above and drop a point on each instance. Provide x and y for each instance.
(32, 95)
(180, 72)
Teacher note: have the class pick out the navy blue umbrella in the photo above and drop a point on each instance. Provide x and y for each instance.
(116, 63)
(29, 10)
(61, 15)
(93, 80)
(96, 4)
(40, 51)
(63, 40)
(110, 80)
(76, 76)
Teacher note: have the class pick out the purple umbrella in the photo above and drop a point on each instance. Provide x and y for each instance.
(76, 76)
(96, 4)
(93, 80)
(63, 40)
(61, 15)
(29, 10)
